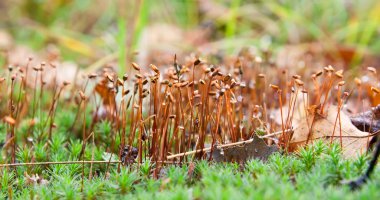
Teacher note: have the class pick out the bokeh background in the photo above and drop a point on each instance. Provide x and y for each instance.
(92, 33)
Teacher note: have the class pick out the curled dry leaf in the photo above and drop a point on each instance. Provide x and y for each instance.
(354, 141)
(241, 153)
(368, 121)
(108, 96)
(108, 99)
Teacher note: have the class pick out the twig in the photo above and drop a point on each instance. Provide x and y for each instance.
(275, 133)
(57, 163)
(221, 146)
(92, 155)
(70, 163)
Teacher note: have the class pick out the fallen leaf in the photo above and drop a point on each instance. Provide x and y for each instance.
(368, 121)
(255, 149)
(354, 141)
(105, 92)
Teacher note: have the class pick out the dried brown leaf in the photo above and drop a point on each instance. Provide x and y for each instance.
(107, 95)
(354, 141)
(256, 149)
(368, 121)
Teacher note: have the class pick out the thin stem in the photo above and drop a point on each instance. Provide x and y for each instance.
(84, 140)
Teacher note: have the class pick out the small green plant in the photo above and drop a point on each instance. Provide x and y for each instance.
(308, 156)
(75, 149)
(145, 168)
(67, 186)
(103, 130)
(7, 181)
(124, 181)
(176, 175)
(95, 188)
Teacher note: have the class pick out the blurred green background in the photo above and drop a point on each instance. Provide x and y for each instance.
(89, 31)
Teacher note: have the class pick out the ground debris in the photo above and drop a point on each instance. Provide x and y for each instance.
(329, 129)
(129, 155)
(256, 149)
(35, 179)
(368, 121)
